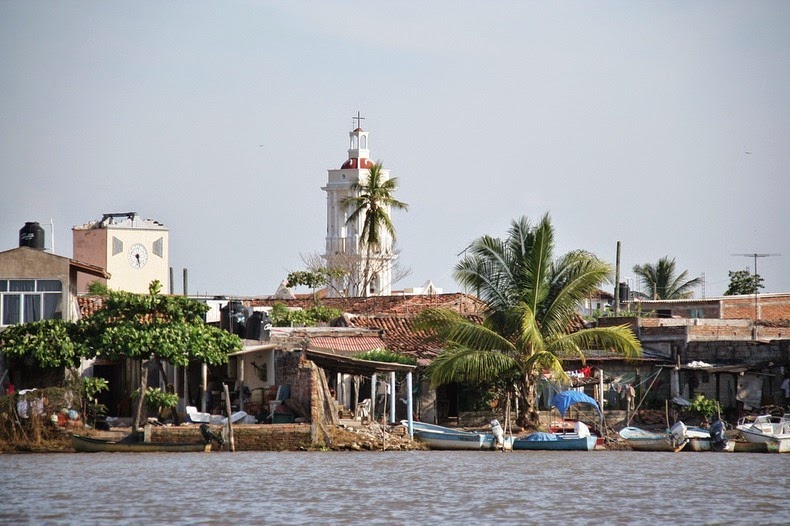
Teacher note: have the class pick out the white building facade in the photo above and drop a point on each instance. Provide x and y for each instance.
(342, 238)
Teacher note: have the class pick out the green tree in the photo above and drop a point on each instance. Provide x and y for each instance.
(531, 302)
(308, 278)
(742, 282)
(662, 282)
(132, 326)
(372, 199)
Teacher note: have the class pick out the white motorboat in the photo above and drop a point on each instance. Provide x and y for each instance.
(773, 431)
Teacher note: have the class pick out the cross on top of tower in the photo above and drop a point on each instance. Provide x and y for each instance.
(359, 118)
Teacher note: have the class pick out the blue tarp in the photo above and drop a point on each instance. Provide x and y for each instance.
(562, 401)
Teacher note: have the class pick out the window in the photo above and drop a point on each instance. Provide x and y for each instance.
(696, 313)
(29, 300)
(158, 247)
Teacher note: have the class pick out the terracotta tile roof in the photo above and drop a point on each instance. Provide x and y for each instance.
(399, 336)
(346, 345)
(404, 305)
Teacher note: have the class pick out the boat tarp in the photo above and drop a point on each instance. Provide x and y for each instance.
(562, 401)
(541, 437)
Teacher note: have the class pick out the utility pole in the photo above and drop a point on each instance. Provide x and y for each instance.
(756, 255)
(617, 283)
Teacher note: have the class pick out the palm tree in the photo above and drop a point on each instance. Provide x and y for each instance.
(531, 305)
(662, 283)
(373, 198)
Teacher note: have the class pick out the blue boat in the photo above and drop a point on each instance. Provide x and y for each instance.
(555, 442)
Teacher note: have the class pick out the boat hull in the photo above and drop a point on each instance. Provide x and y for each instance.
(641, 440)
(445, 438)
(766, 430)
(86, 444)
(561, 444)
(705, 444)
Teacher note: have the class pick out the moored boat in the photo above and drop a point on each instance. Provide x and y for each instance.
(554, 442)
(701, 439)
(446, 438)
(86, 444)
(770, 430)
(643, 440)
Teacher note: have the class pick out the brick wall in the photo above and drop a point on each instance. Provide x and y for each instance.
(768, 307)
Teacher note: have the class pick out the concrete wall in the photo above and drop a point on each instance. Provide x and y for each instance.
(259, 437)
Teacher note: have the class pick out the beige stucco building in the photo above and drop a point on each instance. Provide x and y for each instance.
(133, 250)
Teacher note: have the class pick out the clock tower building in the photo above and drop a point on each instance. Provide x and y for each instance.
(133, 251)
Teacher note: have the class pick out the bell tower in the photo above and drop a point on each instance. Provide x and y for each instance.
(342, 238)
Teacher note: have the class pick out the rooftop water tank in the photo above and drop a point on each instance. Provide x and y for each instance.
(32, 235)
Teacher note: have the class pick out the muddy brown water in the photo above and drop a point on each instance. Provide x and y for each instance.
(411, 487)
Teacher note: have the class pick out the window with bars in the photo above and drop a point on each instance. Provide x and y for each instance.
(29, 300)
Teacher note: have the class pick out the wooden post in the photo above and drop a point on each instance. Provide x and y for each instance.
(373, 398)
(409, 405)
(600, 401)
(392, 397)
(230, 424)
(141, 398)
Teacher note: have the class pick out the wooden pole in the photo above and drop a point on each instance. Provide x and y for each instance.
(600, 401)
(230, 423)
(666, 411)
(617, 297)
(392, 397)
(373, 398)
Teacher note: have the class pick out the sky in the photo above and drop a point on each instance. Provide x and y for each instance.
(662, 125)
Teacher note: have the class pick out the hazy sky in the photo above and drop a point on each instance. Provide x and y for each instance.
(664, 125)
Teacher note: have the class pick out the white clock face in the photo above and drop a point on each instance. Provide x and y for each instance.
(137, 255)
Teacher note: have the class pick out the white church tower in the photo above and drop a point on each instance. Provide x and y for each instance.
(342, 239)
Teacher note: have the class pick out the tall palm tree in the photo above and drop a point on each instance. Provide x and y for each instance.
(662, 283)
(531, 303)
(373, 198)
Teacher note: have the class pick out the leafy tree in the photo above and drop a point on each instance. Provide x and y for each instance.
(132, 326)
(661, 281)
(531, 302)
(372, 200)
(308, 278)
(281, 316)
(45, 343)
(743, 282)
(703, 406)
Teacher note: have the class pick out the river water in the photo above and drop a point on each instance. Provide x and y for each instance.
(415, 487)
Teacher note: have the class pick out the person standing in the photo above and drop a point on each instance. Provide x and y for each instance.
(785, 387)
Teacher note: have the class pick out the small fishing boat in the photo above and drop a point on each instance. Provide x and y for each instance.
(701, 439)
(555, 442)
(446, 438)
(642, 440)
(86, 444)
(773, 431)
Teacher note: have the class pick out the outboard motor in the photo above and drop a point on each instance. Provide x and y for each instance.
(718, 441)
(678, 432)
(499, 435)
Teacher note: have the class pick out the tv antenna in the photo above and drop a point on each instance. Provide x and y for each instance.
(755, 255)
